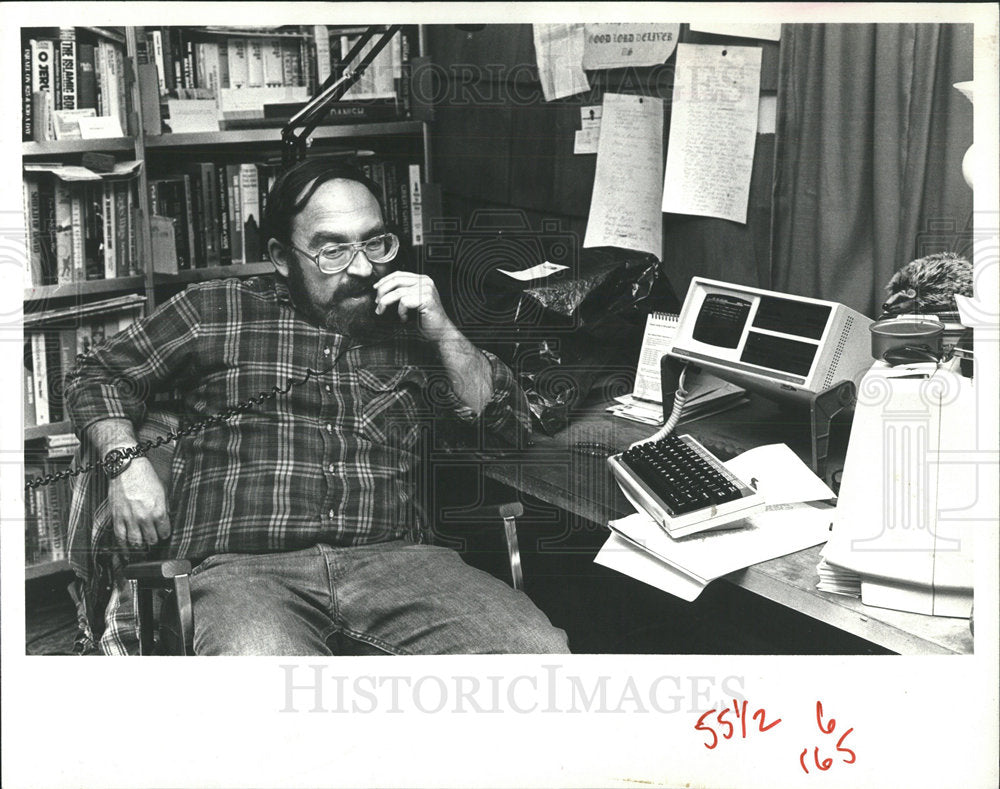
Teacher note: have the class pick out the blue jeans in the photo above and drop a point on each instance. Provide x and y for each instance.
(392, 598)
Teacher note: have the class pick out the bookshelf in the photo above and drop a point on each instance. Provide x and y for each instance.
(405, 137)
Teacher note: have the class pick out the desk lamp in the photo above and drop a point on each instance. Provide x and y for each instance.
(295, 134)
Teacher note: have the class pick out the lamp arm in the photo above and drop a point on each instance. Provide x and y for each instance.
(296, 133)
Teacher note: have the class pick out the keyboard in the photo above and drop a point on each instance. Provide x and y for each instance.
(683, 486)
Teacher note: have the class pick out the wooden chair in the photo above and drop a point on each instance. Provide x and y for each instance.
(163, 588)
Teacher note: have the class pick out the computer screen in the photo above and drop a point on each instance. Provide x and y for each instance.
(777, 343)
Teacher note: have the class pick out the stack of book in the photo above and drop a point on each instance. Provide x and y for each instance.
(69, 73)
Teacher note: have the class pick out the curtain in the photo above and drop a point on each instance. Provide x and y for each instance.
(868, 149)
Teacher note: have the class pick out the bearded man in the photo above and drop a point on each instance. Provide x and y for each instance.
(298, 513)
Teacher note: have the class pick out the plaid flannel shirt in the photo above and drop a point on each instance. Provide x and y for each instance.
(333, 461)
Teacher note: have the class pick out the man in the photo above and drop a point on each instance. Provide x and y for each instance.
(299, 509)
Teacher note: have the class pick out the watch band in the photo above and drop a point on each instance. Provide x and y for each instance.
(115, 462)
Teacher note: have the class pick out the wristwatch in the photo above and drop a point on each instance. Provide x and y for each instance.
(115, 462)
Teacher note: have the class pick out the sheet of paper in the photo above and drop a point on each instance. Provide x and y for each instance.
(638, 412)
(709, 555)
(100, 126)
(590, 130)
(713, 131)
(623, 205)
(192, 115)
(767, 32)
(535, 272)
(767, 114)
(781, 477)
(656, 341)
(558, 55)
(621, 45)
(620, 555)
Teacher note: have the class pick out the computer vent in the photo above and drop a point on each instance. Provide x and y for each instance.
(831, 371)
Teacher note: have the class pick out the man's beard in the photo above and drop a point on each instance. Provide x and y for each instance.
(349, 311)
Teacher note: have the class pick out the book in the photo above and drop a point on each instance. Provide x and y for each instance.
(239, 69)
(28, 386)
(64, 231)
(86, 79)
(67, 68)
(255, 63)
(222, 189)
(235, 212)
(40, 377)
(250, 211)
(93, 231)
(27, 128)
(32, 232)
(42, 81)
(109, 219)
(416, 205)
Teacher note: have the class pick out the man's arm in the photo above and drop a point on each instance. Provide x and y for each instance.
(105, 399)
(484, 387)
(136, 496)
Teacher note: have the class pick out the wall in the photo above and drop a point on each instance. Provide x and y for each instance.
(498, 143)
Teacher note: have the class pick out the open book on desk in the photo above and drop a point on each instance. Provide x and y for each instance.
(707, 394)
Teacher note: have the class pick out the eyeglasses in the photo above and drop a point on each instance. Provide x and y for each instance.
(334, 258)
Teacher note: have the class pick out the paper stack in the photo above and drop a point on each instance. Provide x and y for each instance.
(797, 517)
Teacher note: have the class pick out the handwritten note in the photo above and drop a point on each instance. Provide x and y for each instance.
(558, 55)
(713, 130)
(590, 130)
(623, 207)
(621, 45)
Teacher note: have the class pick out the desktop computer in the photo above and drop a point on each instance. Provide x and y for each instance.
(783, 346)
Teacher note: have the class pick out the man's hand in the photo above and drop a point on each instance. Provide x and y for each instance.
(138, 506)
(409, 291)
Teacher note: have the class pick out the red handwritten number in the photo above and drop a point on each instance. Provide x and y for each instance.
(727, 723)
(819, 719)
(825, 764)
(846, 750)
(760, 722)
(742, 717)
(700, 726)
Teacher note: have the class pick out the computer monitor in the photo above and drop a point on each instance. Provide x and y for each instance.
(783, 346)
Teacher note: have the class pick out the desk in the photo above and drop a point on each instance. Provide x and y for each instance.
(584, 486)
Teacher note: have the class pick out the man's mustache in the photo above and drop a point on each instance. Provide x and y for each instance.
(356, 286)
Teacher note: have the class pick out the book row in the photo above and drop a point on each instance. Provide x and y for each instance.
(214, 210)
(46, 510)
(72, 84)
(214, 78)
(80, 230)
(51, 352)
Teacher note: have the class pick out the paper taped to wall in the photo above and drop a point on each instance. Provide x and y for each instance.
(713, 131)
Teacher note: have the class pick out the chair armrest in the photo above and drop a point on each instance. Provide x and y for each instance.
(159, 574)
(508, 513)
(173, 574)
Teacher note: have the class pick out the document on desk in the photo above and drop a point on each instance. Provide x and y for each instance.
(685, 566)
(713, 131)
(627, 184)
(559, 55)
(779, 475)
